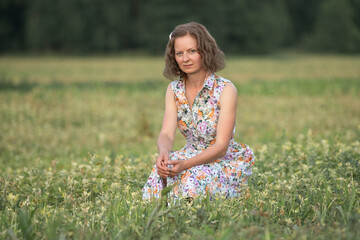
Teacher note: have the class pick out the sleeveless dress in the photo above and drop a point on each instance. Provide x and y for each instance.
(224, 176)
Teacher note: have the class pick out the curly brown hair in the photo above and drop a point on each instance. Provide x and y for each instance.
(213, 59)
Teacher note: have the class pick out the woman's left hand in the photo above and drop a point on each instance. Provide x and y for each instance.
(177, 167)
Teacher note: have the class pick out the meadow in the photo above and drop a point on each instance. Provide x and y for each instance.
(78, 140)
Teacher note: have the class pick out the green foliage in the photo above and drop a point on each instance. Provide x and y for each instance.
(61, 108)
(335, 30)
(12, 24)
(257, 26)
(300, 189)
(299, 113)
(303, 15)
(79, 26)
(355, 5)
(246, 26)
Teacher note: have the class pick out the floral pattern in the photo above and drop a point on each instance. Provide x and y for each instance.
(224, 176)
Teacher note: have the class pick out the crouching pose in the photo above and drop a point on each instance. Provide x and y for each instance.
(202, 105)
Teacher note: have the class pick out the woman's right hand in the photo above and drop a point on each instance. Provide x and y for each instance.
(162, 169)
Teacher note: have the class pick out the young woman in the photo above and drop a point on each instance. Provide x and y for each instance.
(203, 106)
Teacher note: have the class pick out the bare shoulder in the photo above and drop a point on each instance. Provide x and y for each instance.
(169, 93)
(169, 90)
(228, 96)
(230, 88)
(169, 87)
(229, 93)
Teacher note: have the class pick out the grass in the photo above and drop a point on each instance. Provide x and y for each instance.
(78, 139)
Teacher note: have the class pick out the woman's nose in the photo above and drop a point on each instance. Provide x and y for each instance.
(186, 57)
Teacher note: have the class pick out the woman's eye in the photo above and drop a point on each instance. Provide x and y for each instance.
(192, 51)
(178, 54)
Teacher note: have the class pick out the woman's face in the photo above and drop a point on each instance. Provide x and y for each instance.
(187, 56)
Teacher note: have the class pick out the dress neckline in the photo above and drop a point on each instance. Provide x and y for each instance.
(208, 83)
(187, 100)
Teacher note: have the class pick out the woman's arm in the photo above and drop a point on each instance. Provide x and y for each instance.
(225, 127)
(167, 133)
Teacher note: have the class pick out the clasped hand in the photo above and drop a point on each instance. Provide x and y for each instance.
(163, 169)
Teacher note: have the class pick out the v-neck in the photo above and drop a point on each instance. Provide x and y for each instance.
(187, 100)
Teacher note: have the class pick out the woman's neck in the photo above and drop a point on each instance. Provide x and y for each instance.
(196, 80)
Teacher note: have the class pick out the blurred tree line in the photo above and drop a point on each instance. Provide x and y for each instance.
(239, 26)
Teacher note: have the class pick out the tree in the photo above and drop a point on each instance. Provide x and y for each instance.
(12, 25)
(335, 30)
(257, 26)
(303, 15)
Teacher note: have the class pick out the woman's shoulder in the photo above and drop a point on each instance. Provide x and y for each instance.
(221, 79)
(227, 91)
(221, 83)
(177, 85)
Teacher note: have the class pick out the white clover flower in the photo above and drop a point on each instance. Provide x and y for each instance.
(103, 180)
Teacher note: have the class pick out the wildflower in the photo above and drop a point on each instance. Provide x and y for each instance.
(12, 198)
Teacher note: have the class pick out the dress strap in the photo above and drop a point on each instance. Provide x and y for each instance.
(177, 87)
(219, 84)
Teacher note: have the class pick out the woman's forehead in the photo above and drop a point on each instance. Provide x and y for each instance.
(185, 42)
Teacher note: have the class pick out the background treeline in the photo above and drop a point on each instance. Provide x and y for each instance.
(239, 26)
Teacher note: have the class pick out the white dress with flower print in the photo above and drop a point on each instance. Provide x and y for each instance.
(224, 176)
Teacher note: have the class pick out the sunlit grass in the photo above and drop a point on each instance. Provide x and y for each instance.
(292, 66)
(78, 139)
(132, 69)
(303, 189)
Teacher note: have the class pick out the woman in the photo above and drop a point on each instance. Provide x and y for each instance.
(203, 106)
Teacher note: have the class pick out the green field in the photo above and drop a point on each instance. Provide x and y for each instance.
(78, 139)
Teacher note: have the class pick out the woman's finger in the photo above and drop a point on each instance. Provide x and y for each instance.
(162, 172)
(166, 157)
(163, 157)
(163, 168)
(159, 162)
(172, 174)
(172, 162)
(163, 175)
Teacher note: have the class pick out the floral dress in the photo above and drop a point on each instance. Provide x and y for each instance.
(223, 176)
